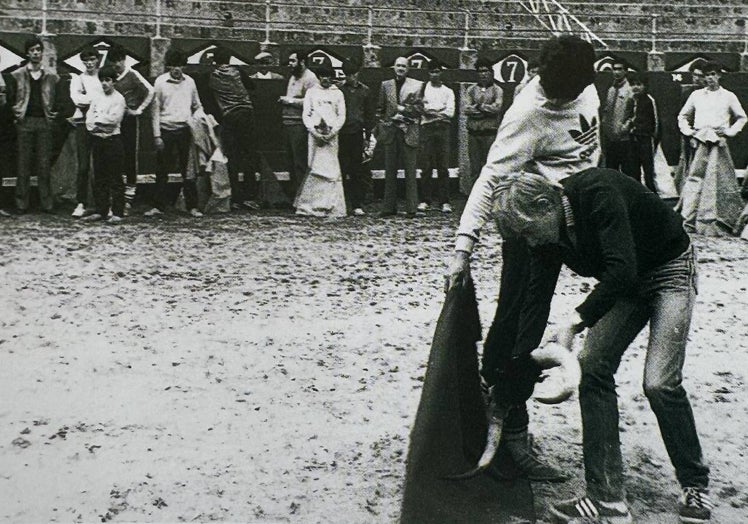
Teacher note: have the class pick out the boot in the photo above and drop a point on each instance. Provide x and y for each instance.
(518, 461)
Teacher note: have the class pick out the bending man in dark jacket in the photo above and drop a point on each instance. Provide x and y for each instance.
(602, 224)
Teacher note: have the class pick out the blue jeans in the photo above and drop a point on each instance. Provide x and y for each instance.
(664, 298)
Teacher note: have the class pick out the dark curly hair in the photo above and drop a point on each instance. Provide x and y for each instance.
(566, 66)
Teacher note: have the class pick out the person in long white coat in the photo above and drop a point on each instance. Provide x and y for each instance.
(321, 192)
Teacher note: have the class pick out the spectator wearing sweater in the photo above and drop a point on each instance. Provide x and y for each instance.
(436, 127)
(230, 90)
(551, 129)
(84, 87)
(175, 99)
(301, 80)
(35, 109)
(103, 122)
(645, 130)
(483, 110)
(138, 93)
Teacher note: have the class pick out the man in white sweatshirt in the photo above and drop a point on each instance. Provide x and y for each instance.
(551, 129)
(436, 125)
(84, 88)
(175, 100)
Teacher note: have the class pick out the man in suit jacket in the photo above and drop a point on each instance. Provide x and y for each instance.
(399, 112)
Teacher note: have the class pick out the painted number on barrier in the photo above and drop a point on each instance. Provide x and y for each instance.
(510, 70)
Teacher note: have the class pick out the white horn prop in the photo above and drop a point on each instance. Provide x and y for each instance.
(561, 373)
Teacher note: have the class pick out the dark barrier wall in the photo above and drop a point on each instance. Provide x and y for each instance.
(662, 86)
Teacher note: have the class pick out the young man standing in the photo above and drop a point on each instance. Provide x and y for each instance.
(230, 89)
(605, 225)
(103, 121)
(359, 118)
(552, 130)
(138, 93)
(84, 87)
(483, 108)
(615, 115)
(710, 198)
(175, 99)
(399, 115)
(645, 130)
(264, 60)
(436, 127)
(34, 110)
(301, 80)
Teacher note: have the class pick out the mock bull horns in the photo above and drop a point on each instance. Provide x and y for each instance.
(493, 439)
(562, 373)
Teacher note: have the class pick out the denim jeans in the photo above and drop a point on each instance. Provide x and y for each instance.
(177, 145)
(394, 152)
(34, 158)
(108, 187)
(665, 297)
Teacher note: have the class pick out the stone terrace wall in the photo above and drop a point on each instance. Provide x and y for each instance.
(682, 25)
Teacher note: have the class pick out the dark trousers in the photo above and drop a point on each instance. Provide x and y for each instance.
(108, 155)
(619, 155)
(129, 133)
(176, 145)
(239, 140)
(355, 176)
(394, 152)
(502, 335)
(297, 147)
(643, 157)
(479, 143)
(435, 154)
(83, 157)
(34, 150)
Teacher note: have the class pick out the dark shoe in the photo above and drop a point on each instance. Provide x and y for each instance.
(385, 214)
(525, 463)
(586, 510)
(695, 506)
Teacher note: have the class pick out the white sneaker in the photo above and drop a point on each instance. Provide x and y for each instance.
(446, 208)
(114, 219)
(128, 207)
(79, 211)
(153, 212)
(195, 212)
(110, 214)
(358, 212)
(423, 206)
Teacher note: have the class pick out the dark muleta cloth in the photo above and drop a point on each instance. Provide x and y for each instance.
(449, 432)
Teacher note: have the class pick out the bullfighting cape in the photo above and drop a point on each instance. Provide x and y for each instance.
(449, 432)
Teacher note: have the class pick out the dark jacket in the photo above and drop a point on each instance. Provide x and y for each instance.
(7, 100)
(621, 231)
(645, 121)
(23, 92)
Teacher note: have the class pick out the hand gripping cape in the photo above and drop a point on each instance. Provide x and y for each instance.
(449, 432)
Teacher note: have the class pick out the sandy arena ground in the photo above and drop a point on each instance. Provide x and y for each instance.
(265, 368)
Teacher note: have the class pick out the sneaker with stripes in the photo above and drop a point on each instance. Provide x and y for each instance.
(695, 506)
(588, 511)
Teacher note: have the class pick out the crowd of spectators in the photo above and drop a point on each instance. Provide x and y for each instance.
(331, 124)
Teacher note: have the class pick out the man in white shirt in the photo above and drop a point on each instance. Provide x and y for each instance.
(436, 125)
(84, 87)
(175, 100)
(551, 129)
(710, 198)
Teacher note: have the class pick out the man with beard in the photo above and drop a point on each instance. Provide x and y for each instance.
(230, 89)
(301, 80)
(399, 114)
